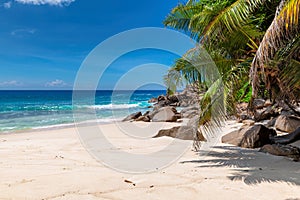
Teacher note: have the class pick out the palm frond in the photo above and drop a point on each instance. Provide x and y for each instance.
(228, 20)
(282, 31)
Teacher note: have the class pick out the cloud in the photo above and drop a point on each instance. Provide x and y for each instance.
(21, 32)
(47, 2)
(10, 83)
(56, 83)
(7, 5)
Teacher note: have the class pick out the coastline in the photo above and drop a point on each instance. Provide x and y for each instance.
(63, 126)
(52, 164)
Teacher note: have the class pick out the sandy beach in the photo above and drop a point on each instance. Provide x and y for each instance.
(52, 164)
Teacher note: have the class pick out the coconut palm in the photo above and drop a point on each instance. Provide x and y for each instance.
(277, 60)
(230, 31)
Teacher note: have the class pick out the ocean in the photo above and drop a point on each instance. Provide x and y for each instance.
(31, 110)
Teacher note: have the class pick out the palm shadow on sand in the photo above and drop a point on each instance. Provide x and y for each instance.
(249, 165)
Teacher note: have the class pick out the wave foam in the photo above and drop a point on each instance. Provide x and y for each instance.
(114, 106)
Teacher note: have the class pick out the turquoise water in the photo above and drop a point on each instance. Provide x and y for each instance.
(27, 110)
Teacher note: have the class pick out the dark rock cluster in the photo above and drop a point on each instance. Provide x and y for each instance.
(271, 127)
(165, 109)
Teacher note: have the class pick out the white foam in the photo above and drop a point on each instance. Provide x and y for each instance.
(114, 106)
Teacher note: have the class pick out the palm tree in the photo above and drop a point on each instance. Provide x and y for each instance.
(226, 30)
(231, 32)
(277, 60)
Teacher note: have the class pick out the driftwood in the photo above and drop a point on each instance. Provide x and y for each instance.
(287, 139)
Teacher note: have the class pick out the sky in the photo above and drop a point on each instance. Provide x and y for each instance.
(44, 42)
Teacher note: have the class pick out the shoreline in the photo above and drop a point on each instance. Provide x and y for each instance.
(63, 126)
(52, 164)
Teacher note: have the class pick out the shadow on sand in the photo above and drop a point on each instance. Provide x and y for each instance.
(250, 166)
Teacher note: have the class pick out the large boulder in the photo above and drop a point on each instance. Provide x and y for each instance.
(257, 136)
(173, 99)
(235, 137)
(132, 116)
(266, 113)
(181, 132)
(190, 112)
(152, 100)
(165, 114)
(161, 98)
(287, 123)
(282, 150)
(250, 136)
(259, 103)
(175, 132)
(143, 119)
(288, 138)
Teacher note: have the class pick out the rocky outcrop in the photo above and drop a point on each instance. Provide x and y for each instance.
(250, 136)
(259, 103)
(288, 138)
(132, 116)
(287, 123)
(282, 150)
(266, 113)
(165, 114)
(153, 100)
(143, 118)
(180, 132)
(257, 136)
(191, 95)
(235, 137)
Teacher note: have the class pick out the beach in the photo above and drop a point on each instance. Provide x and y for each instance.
(53, 164)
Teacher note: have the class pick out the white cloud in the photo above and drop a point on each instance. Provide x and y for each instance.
(45, 2)
(10, 83)
(7, 5)
(56, 83)
(22, 32)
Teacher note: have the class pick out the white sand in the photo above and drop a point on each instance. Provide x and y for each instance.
(52, 164)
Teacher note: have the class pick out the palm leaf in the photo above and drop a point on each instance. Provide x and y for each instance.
(282, 31)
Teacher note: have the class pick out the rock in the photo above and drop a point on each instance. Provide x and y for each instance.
(174, 133)
(272, 122)
(175, 104)
(132, 116)
(165, 114)
(143, 118)
(265, 113)
(184, 104)
(268, 103)
(289, 138)
(180, 132)
(161, 98)
(243, 117)
(146, 113)
(282, 150)
(248, 122)
(194, 122)
(235, 137)
(153, 100)
(257, 136)
(190, 114)
(190, 111)
(258, 103)
(173, 99)
(287, 123)
(178, 115)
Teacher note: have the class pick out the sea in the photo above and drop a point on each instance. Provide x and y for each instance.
(34, 110)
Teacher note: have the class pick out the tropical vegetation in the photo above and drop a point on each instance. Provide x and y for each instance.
(253, 44)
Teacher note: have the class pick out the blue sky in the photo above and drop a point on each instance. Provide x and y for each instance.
(44, 42)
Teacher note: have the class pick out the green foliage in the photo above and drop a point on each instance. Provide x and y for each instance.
(231, 31)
